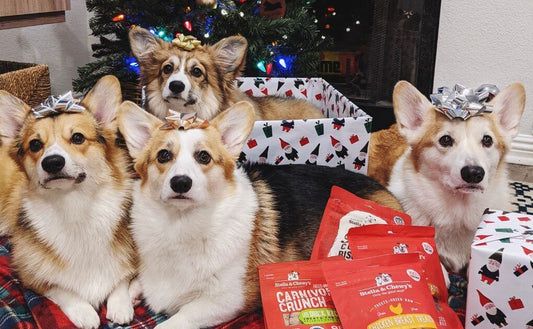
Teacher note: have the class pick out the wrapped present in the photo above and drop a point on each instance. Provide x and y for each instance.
(339, 140)
(476, 319)
(500, 273)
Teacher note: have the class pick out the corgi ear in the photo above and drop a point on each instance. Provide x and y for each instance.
(230, 54)
(410, 108)
(235, 125)
(143, 43)
(13, 111)
(508, 107)
(136, 126)
(104, 100)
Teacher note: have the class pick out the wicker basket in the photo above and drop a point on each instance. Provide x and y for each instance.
(29, 82)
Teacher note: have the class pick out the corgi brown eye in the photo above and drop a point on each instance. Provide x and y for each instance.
(203, 157)
(77, 138)
(196, 72)
(164, 156)
(486, 141)
(36, 145)
(167, 69)
(446, 141)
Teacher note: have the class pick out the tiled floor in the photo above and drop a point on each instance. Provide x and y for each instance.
(520, 173)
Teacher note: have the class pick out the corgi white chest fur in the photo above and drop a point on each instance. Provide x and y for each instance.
(181, 252)
(79, 228)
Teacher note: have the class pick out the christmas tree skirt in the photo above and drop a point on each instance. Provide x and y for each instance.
(21, 308)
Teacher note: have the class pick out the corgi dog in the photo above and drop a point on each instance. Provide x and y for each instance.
(201, 80)
(65, 200)
(202, 225)
(447, 172)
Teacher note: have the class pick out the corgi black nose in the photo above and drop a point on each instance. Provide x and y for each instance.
(180, 184)
(53, 164)
(176, 86)
(472, 174)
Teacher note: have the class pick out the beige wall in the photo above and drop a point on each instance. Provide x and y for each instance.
(63, 46)
(487, 41)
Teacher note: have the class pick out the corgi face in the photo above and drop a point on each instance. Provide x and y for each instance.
(189, 81)
(185, 168)
(463, 156)
(66, 151)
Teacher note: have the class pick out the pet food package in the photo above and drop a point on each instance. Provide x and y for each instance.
(343, 211)
(295, 295)
(385, 292)
(500, 285)
(375, 240)
(338, 140)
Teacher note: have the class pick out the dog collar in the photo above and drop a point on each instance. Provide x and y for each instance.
(54, 105)
(183, 121)
(462, 102)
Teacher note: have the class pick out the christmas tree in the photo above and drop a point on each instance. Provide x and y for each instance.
(282, 35)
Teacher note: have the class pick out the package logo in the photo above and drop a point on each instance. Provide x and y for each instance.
(400, 248)
(383, 279)
(292, 276)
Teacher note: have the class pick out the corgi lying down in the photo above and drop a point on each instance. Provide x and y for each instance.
(203, 225)
(447, 172)
(65, 201)
(201, 80)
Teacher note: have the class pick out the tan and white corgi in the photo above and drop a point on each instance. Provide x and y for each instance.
(201, 80)
(202, 225)
(446, 172)
(65, 201)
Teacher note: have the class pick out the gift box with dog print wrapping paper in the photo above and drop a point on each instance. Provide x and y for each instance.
(339, 140)
(500, 288)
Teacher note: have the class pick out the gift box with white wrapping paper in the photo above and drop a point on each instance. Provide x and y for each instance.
(500, 291)
(339, 140)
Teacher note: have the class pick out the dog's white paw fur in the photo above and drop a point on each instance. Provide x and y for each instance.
(135, 292)
(83, 315)
(119, 305)
(446, 276)
(176, 321)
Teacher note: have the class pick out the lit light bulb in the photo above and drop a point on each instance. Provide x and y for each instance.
(282, 63)
(334, 13)
(224, 12)
(348, 29)
(316, 21)
(118, 18)
(357, 22)
(323, 37)
(188, 25)
(206, 35)
(241, 14)
(285, 37)
(161, 33)
(261, 66)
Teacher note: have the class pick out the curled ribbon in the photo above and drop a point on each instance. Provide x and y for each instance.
(183, 121)
(462, 102)
(57, 104)
(187, 42)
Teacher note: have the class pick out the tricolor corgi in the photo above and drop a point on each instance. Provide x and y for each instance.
(202, 225)
(446, 172)
(201, 80)
(65, 201)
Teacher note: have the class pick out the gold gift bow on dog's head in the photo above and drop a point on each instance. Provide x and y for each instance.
(187, 42)
(183, 121)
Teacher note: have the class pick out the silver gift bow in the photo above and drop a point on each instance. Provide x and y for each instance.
(183, 121)
(57, 104)
(462, 102)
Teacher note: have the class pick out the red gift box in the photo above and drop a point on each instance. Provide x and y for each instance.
(354, 139)
(251, 143)
(515, 303)
(304, 141)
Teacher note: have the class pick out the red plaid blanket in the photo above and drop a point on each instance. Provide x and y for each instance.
(23, 309)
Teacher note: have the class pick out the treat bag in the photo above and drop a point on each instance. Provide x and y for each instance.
(343, 211)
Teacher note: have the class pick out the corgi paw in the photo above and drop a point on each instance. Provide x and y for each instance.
(82, 315)
(119, 307)
(135, 292)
